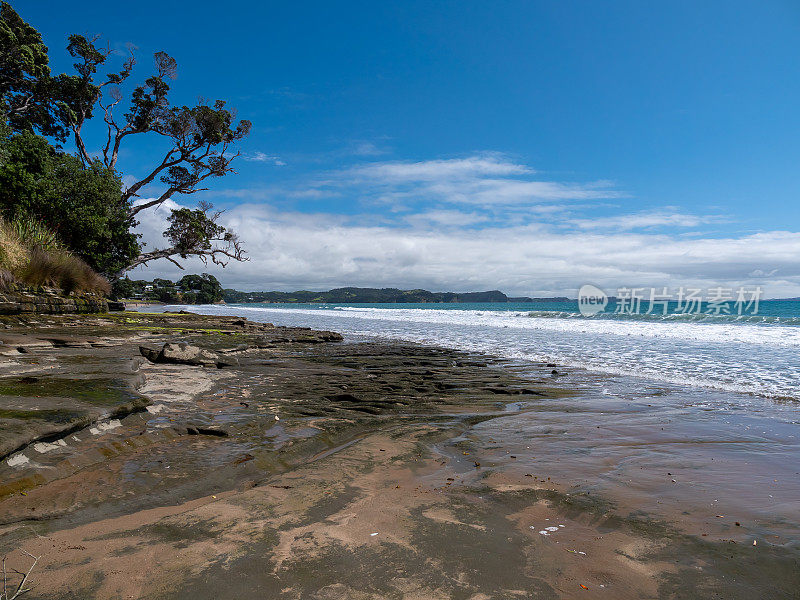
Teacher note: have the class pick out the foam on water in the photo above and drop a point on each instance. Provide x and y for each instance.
(736, 354)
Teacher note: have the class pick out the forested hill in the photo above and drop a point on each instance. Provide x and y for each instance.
(372, 295)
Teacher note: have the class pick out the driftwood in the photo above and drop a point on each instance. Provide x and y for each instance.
(20, 589)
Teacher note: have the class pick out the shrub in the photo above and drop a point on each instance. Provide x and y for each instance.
(33, 234)
(82, 205)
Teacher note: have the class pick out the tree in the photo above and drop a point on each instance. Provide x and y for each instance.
(198, 138)
(81, 204)
(29, 96)
(125, 288)
(200, 289)
(193, 232)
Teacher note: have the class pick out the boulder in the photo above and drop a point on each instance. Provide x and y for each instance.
(149, 353)
(186, 354)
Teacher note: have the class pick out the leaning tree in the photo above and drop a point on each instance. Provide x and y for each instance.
(198, 139)
(198, 146)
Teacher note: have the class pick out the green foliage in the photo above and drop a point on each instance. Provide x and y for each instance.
(192, 230)
(204, 288)
(82, 205)
(34, 234)
(80, 93)
(191, 289)
(125, 288)
(30, 98)
(167, 295)
(199, 135)
(82, 198)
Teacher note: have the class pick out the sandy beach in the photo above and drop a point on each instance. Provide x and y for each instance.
(399, 301)
(294, 464)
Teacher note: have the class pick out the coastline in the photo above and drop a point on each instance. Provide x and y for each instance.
(307, 447)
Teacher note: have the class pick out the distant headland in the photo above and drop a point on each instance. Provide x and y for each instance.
(376, 295)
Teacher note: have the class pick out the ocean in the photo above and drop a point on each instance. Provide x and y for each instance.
(751, 354)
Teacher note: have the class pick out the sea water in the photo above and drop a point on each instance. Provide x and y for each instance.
(755, 354)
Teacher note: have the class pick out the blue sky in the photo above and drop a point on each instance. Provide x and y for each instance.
(528, 146)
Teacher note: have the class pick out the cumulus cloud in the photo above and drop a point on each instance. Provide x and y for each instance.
(291, 250)
(486, 181)
(483, 221)
(153, 222)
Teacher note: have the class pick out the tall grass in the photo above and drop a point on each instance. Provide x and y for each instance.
(31, 254)
(6, 279)
(63, 270)
(14, 254)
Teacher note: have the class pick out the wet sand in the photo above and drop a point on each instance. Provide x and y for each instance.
(322, 469)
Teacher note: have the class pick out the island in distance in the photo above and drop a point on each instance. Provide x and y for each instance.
(375, 295)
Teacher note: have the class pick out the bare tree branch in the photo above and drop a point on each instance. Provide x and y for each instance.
(214, 255)
(195, 233)
(166, 162)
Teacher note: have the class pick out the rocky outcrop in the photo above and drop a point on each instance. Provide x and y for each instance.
(186, 354)
(48, 301)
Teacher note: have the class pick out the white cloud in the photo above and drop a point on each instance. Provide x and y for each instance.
(365, 148)
(153, 222)
(436, 170)
(446, 218)
(294, 251)
(263, 157)
(645, 220)
(488, 181)
(501, 192)
(480, 222)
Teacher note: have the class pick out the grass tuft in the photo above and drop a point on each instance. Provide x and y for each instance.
(62, 270)
(13, 252)
(6, 279)
(32, 254)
